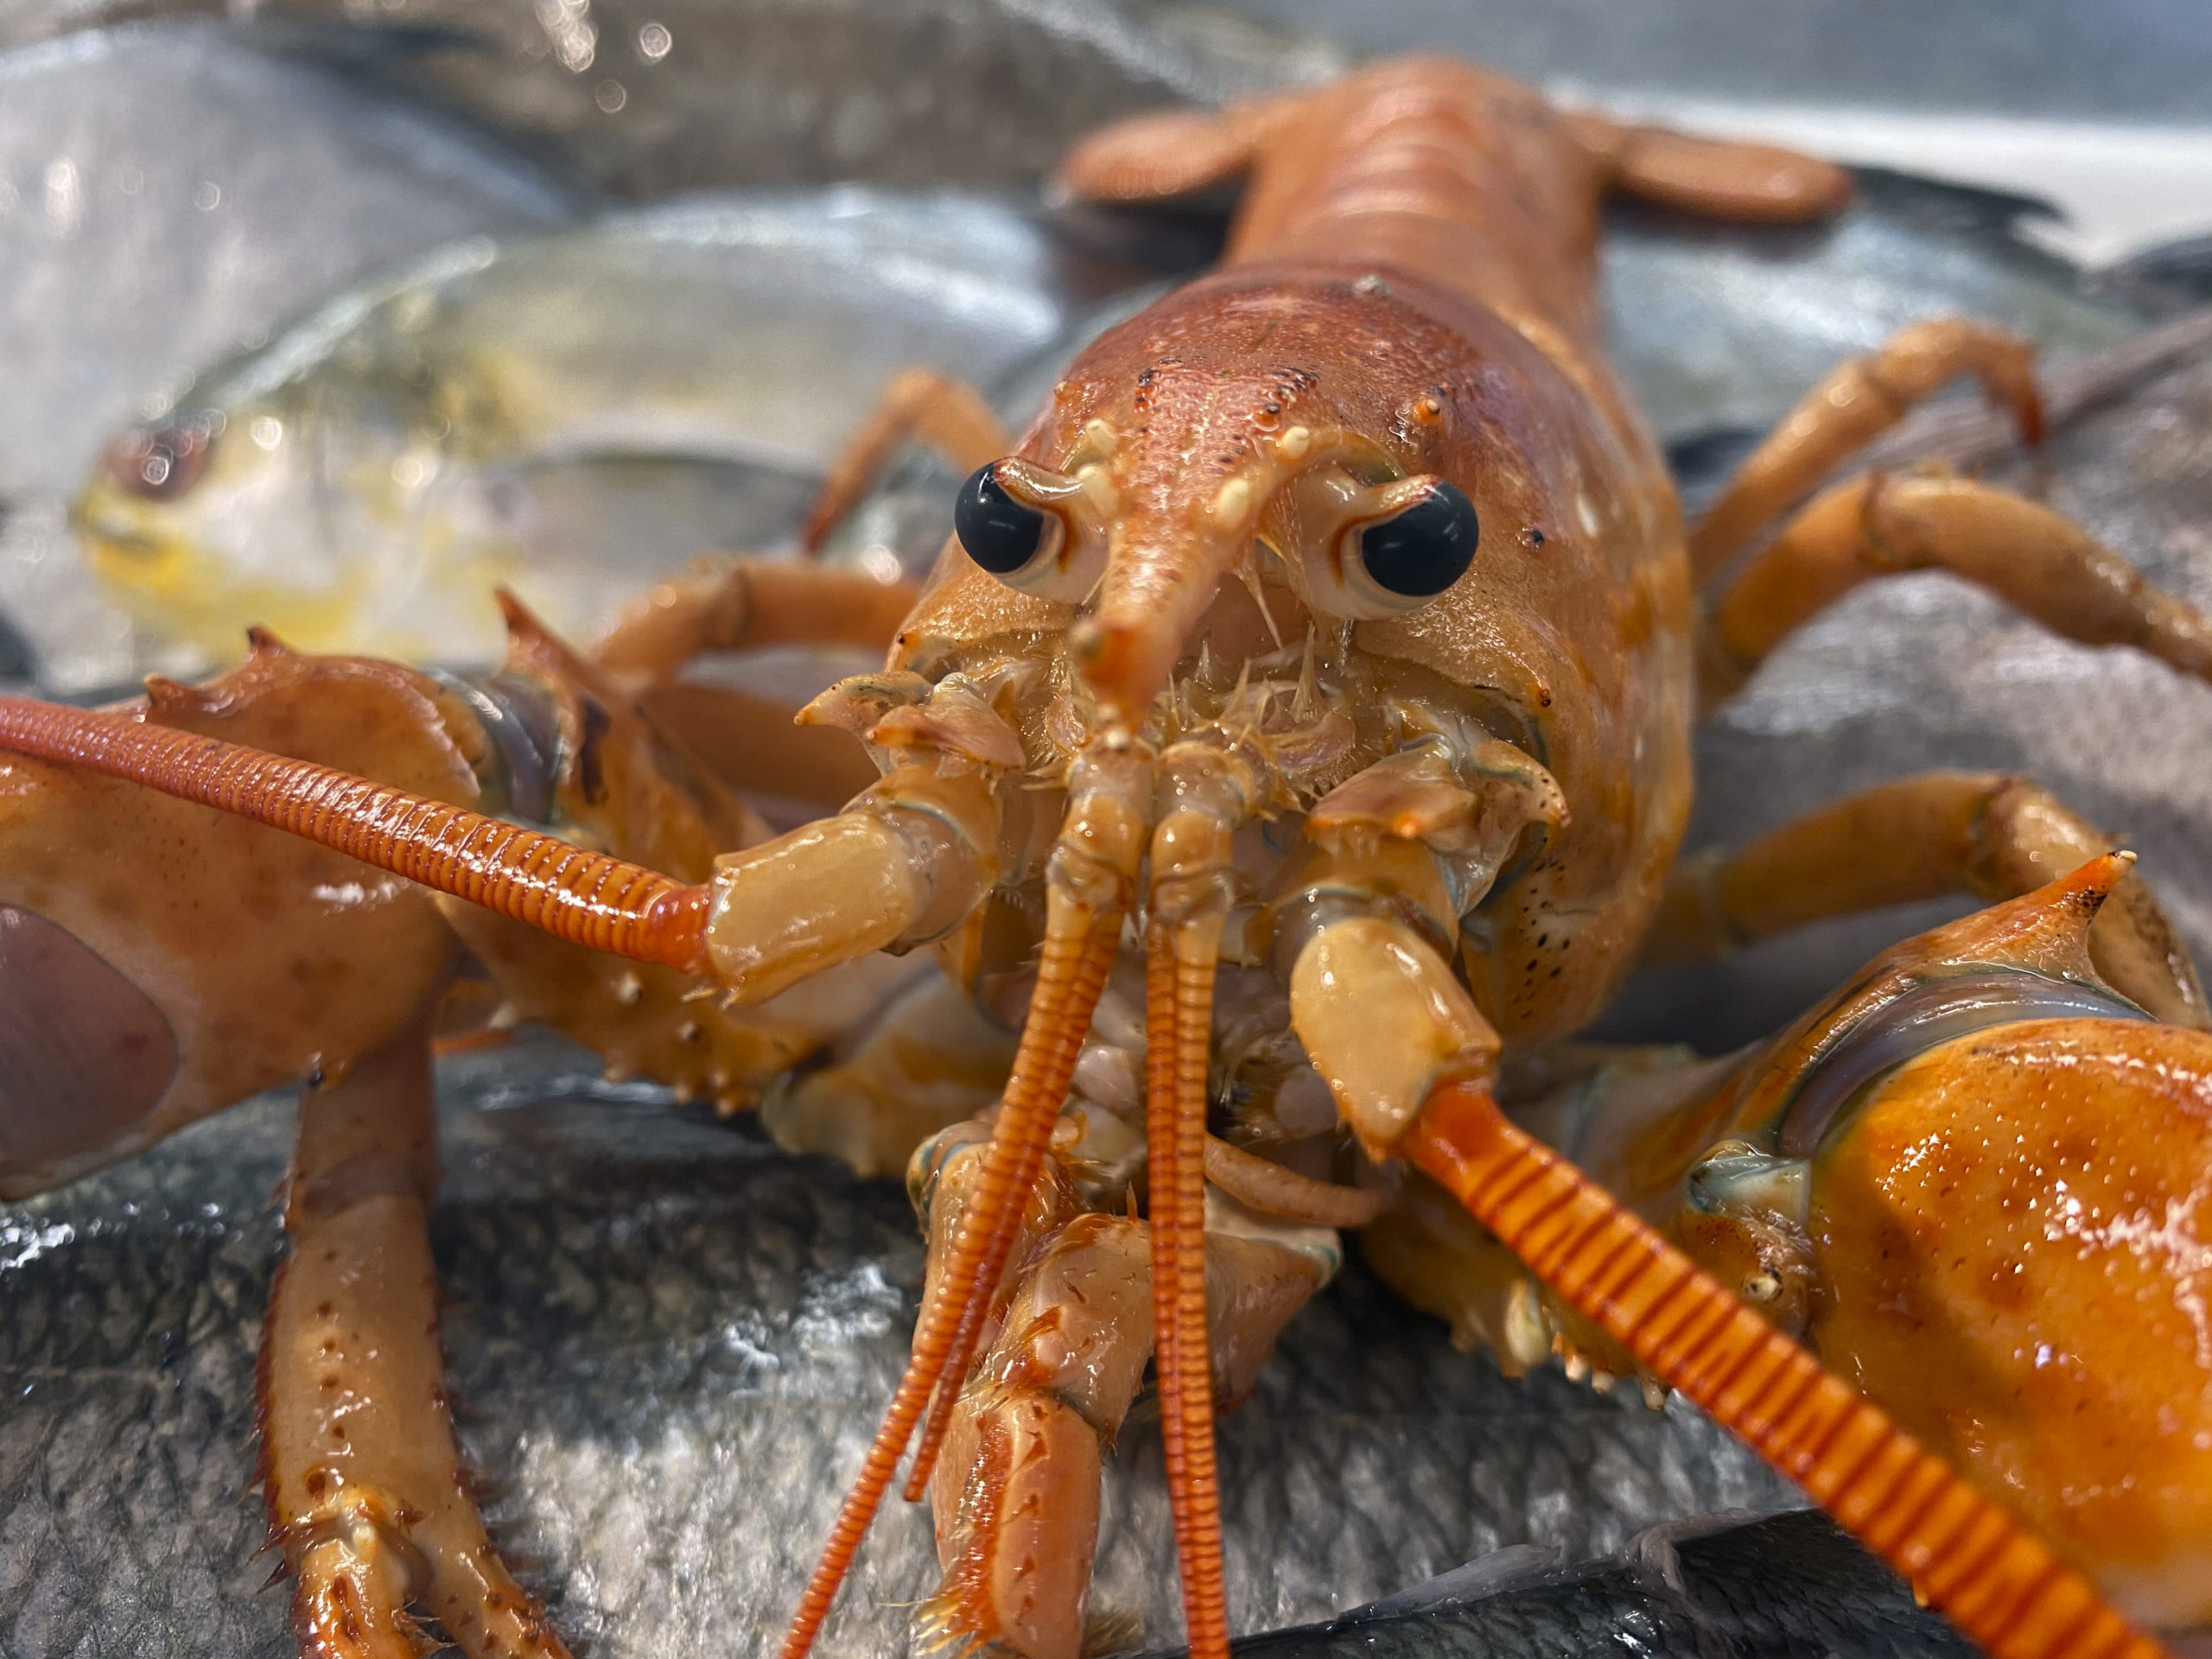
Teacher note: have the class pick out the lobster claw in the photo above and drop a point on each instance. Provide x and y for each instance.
(122, 1025)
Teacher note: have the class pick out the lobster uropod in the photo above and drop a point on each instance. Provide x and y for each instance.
(1293, 740)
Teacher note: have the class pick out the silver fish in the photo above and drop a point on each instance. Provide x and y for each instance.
(671, 1342)
(148, 226)
(573, 414)
(644, 97)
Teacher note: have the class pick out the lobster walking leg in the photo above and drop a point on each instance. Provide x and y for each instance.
(1980, 833)
(367, 1496)
(2025, 553)
(757, 601)
(1857, 401)
(757, 745)
(1016, 1487)
(947, 414)
(745, 602)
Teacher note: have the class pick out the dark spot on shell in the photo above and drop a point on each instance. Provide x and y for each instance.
(1532, 537)
(589, 774)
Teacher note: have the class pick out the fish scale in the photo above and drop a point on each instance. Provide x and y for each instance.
(665, 1336)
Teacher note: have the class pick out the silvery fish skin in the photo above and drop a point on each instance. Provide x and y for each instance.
(644, 96)
(575, 415)
(147, 226)
(671, 1342)
(1722, 1586)
(1718, 328)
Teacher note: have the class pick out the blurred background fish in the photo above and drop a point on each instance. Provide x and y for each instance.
(575, 415)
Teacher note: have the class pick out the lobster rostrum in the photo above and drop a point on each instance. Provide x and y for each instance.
(1293, 742)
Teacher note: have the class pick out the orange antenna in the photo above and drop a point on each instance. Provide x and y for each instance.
(1078, 952)
(584, 896)
(1179, 999)
(1964, 1554)
(1087, 879)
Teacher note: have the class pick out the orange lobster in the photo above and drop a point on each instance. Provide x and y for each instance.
(1334, 633)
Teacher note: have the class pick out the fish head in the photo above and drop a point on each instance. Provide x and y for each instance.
(289, 508)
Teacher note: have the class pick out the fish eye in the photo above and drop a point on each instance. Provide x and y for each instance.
(1029, 546)
(160, 463)
(998, 532)
(1418, 552)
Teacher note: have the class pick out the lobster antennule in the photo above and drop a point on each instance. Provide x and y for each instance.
(1087, 892)
(1093, 863)
(1999, 1584)
(1074, 995)
(1178, 1006)
(1208, 784)
(584, 897)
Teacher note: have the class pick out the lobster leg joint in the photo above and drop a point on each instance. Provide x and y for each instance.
(1385, 1021)
(904, 864)
(367, 1496)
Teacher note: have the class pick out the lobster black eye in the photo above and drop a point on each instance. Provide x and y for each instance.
(1417, 553)
(998, 532)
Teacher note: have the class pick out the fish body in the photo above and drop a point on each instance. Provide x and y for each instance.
(573, 414)
(667, 1337)
(646, 97)
(147, 225)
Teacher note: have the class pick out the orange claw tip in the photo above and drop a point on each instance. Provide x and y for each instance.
(2073, 899)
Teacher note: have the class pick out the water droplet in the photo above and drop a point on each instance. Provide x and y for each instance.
(267, 431)
(654, 42)
(610, 97)
(209, 196)
(65, 198)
